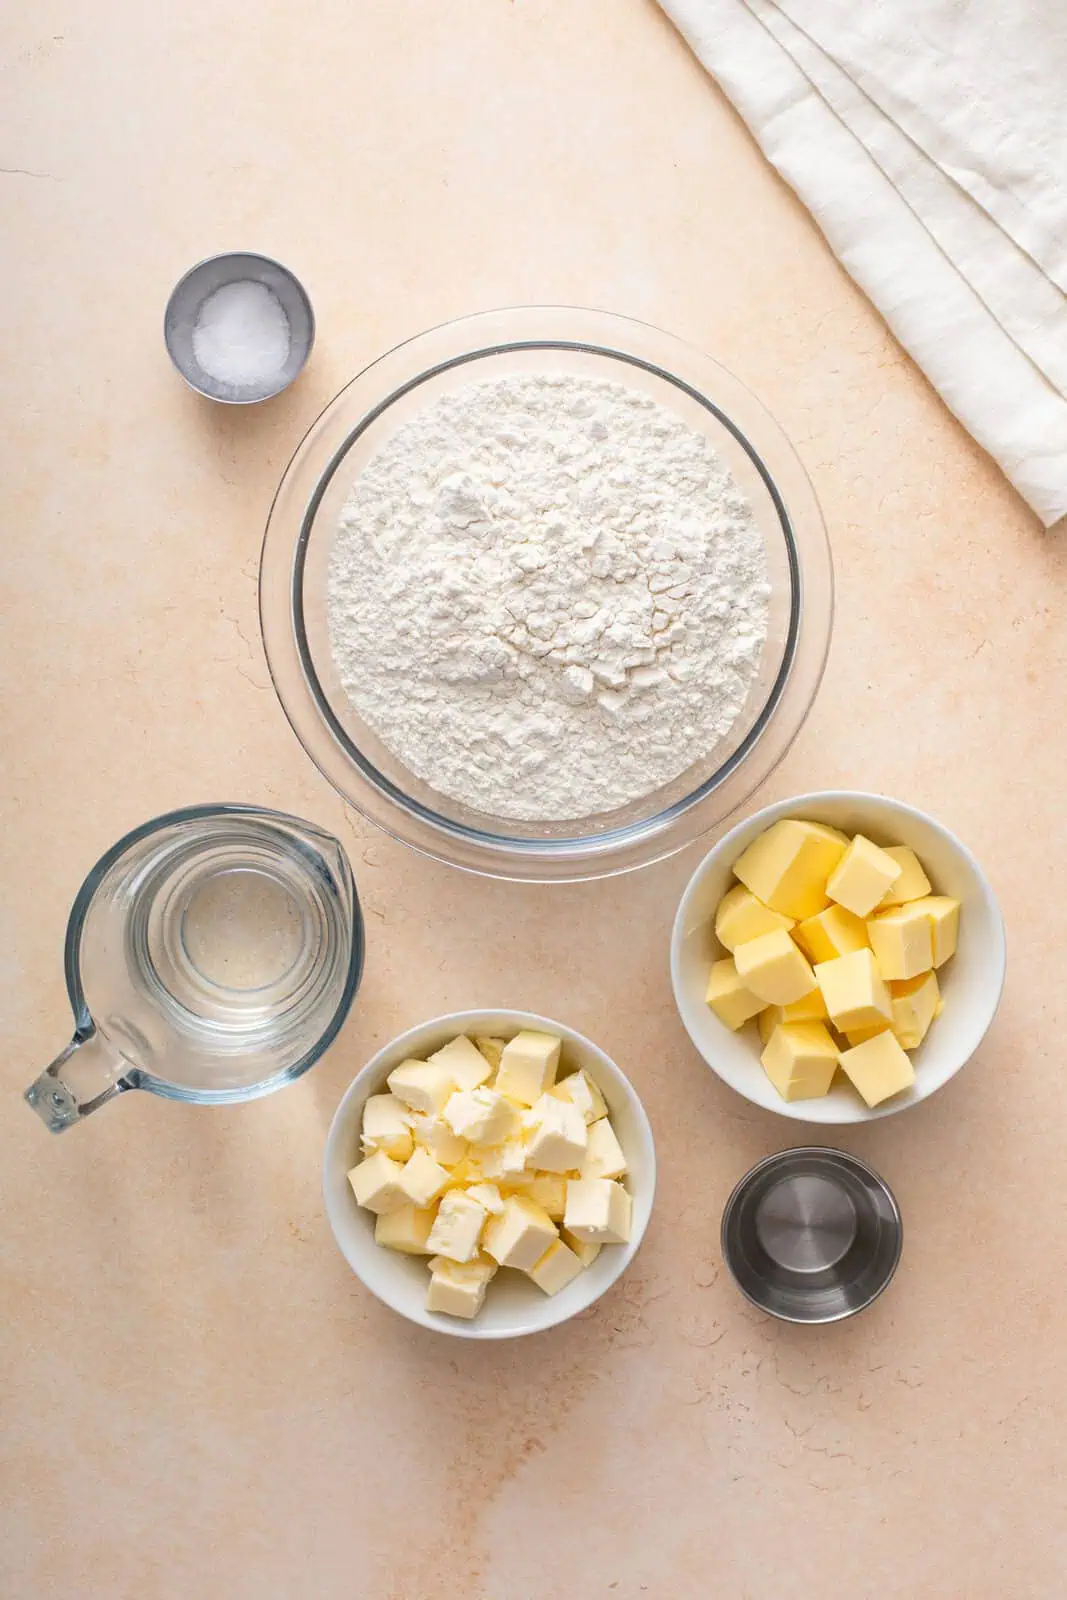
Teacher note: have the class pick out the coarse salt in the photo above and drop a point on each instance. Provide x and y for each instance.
(241, 335)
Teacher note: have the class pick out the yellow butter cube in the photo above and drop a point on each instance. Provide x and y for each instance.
(800, 1059)
(728, 997)
(773, 968)
(878, 1068)
(902, 941)
(862, 876)
(912, 883)
(916, 1003)
(811, 1009)
(741, 916)
(831, 933)
(788, 865)
(768, 1019)
(944, 914)
(855, 992)
(861, 1035)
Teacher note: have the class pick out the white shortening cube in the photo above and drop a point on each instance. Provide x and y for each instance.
(559, 1137)
(528, 1066)
(586, 1252)
(386, 1126)
(502, 1162)
(547, 1190)
(434, 1135)
(464, 1061)
(521, 1235)
(421, 1085)
(457, 1231)
(457, 1290)
(487, 1195)
(556, 1268)
(422, 1178)
(483, 1116)
(492, 1049)
(376, 1183)
(406, 1230)
(598, 1211)
(603, 1152)
(579, 1088)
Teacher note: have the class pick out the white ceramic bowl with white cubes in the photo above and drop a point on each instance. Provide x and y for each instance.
(971, 982)
(514, 1304)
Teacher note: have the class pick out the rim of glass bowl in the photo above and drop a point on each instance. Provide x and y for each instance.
(310, 472)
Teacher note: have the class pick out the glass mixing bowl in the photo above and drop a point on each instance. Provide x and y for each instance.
(296, 558)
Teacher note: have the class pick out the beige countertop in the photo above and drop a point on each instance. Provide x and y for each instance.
(201, 1398)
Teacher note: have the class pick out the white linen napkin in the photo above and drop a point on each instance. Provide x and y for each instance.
(928, 138)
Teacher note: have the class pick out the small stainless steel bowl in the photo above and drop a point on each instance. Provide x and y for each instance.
(199, 282)
(811, 1235)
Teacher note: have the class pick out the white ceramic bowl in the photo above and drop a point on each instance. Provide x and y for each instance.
(514, 1305)
(971, 983)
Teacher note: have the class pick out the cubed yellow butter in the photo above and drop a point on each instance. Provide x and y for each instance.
(728, 997)
(902, 941)
(800, 1059)
(855, 991)
(812, 1008)
(406, 1230)
(912, 883)
(831, 933)
(767, 1021)
(862, 876)
(916, 1002)
(878, 1068)
(861, 1035)
(772, 968)
(788, 865)
(741, 916)
(944, 914)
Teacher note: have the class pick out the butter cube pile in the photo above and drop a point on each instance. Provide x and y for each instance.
(479, 1159)
(833, 948)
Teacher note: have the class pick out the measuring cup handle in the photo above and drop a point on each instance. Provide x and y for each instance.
(87, 1074)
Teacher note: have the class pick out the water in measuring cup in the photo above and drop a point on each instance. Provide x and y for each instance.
(215, 955)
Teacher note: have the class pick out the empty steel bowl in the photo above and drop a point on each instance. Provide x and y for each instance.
(811, 1235)
(201, 281)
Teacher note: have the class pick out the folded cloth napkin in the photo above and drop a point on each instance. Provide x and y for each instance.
(928, 138)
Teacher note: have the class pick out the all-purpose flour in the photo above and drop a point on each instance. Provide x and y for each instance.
(547, 596)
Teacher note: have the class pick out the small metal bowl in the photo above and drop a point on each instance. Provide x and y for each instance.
(199, 282)
(811, 1235)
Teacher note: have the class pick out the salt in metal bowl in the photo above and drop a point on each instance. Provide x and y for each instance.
(189, 295)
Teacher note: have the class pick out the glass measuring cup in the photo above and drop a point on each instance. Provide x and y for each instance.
(211, 956)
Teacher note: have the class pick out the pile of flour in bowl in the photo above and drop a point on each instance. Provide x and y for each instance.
(547, 596)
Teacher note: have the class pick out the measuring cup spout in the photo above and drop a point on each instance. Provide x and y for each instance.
(88, 1073)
